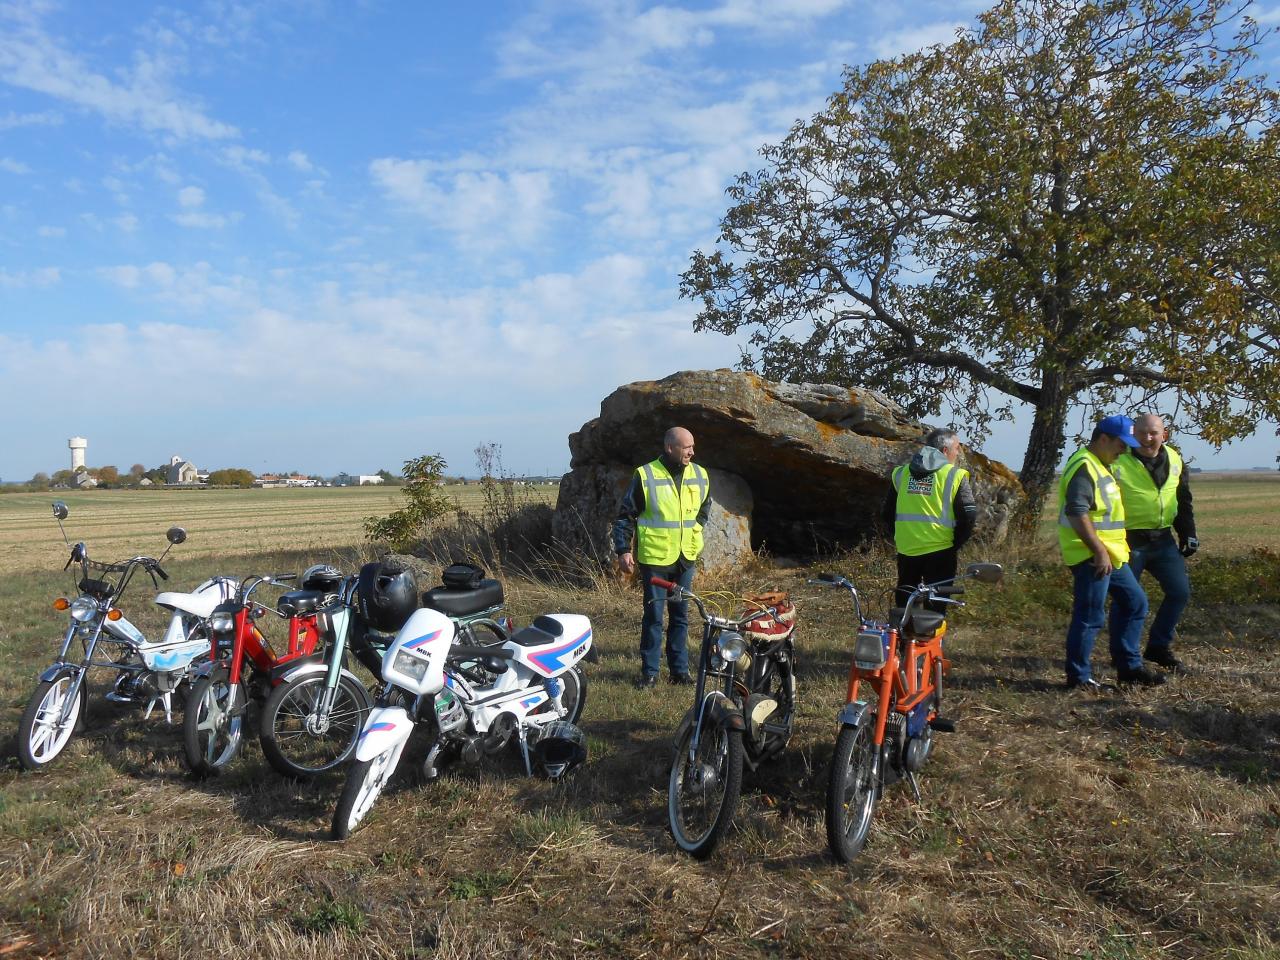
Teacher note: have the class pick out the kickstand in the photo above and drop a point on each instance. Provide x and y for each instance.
(165, 699)
(524, 750)
(915, 786)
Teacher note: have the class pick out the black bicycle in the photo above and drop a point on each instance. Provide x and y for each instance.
(742, 714)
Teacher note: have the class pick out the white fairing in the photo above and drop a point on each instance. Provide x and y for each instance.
(122, 629)
(554, 658)
(423, 640)
(386, 728)
(200, 601)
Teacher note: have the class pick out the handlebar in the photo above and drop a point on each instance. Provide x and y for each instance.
(722, 622)
(665, 584)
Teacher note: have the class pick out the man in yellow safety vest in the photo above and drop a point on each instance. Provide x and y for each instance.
(1091, 535)
(1157, 505)
(931, 510)
(664, 510)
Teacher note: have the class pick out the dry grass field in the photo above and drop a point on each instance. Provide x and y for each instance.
(1130, 825)
(219, 522)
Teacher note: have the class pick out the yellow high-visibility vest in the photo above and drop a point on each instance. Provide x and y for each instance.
(924, 520)
(669, 526)
(1107, 514)
(1145, 506)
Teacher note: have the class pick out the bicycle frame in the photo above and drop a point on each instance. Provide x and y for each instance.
(248, 643)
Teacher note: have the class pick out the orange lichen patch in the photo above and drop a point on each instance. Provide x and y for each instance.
(828, 431)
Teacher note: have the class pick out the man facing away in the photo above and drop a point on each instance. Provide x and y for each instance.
(1157, 504)
(664, 509)
(932, 511)
(1091, 535)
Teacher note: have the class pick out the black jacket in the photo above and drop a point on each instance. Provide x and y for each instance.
(633, 504)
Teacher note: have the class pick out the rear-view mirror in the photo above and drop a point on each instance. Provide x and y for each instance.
(60, 510)
(176, 535)
(985, 572)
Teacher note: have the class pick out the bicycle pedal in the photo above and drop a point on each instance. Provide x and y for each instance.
(942, 725)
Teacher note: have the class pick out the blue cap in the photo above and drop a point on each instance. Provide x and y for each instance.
(1120, 426)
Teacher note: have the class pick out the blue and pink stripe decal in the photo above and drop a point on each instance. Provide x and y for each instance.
(422, 640)
(549, 661)
(376, 727)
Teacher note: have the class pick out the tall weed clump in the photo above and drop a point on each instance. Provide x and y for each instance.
(425, 503)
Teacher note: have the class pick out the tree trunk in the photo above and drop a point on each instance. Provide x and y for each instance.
(1044, 450)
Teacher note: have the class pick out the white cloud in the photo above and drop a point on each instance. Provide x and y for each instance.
(41, 277)
(9, 165)
(300, 161)
(45, 118)
(190, 197)
(916, 38)
(200, 220)
(481, 208)
(126, 222)
(47, 231)
(32, 59)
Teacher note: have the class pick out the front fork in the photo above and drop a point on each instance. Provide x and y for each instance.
(78, 672)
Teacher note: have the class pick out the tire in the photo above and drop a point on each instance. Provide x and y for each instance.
(40, 737)
(699, 813)
(365, 781)
(294, 746)
(852, 791)
(483, 633)
(211, 738)
(574, 696)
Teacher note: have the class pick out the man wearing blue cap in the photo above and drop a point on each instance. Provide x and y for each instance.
(1091, 534)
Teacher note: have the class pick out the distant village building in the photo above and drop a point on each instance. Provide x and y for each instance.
(291, 480)
(364, 480)
(182, 471)
(145, 482)
(84, 481)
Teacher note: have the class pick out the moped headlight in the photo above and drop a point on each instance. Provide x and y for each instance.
(868, 650)
(732, 646)
(407, 665)
(83, 608)
(222, 623)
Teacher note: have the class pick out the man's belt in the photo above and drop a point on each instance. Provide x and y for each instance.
(1145, 538)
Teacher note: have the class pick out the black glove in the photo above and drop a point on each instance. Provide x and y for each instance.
(1188, 546)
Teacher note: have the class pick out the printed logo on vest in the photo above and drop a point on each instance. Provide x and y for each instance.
(920, 485)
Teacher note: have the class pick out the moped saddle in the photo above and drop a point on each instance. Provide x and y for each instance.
(297, 602)
(543, 630)
(923, 623)
(462, 603)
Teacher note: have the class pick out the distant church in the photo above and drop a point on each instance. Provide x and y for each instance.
(181, 471)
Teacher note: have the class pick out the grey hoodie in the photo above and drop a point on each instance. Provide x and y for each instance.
(929, 460)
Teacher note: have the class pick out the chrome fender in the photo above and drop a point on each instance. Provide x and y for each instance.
(304, 669)
(57, 670)
(386, 729)
(719, 709)
(851, 714)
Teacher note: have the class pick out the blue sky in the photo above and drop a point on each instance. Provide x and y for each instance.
(322, 236)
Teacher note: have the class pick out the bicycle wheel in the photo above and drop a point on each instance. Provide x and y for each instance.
(365, 780)
(852, 791)
(574, 695)
(298, 742)
(702, 792)
(211, 732)
(42, 734)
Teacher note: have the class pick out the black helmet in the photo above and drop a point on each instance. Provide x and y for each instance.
(559, 749)
(323, 577)
(387, 596)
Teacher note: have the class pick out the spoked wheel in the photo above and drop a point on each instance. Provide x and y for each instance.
(574, 695)
(852, 791)
(365, 780)
(213, 724)
(297, 740)
(702, 792)
(43, 732)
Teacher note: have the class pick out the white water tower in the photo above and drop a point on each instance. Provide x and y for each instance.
(78, 446)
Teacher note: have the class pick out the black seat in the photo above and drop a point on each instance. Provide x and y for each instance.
(462, 603)
(543, 630)
(297, 602)
(923, 624)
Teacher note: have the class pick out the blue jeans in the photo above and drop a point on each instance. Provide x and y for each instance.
(1163, 561)
(677, 622)
(1128, 610)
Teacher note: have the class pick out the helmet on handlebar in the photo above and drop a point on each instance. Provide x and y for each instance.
(322, 576)
(386, 596)
(561, 747)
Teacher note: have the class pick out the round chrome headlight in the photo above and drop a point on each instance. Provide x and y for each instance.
(222, 623)
(732, 646)
(83, 608)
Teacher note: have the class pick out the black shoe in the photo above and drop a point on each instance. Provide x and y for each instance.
(1088, 685)
(680, 679)
(647, 681)
(1141, 676)
(942, 725)
(1163, 656)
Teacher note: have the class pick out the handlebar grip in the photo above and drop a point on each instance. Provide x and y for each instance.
(948, 591)
(665, 584)
(160, 572)
(284, 577)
